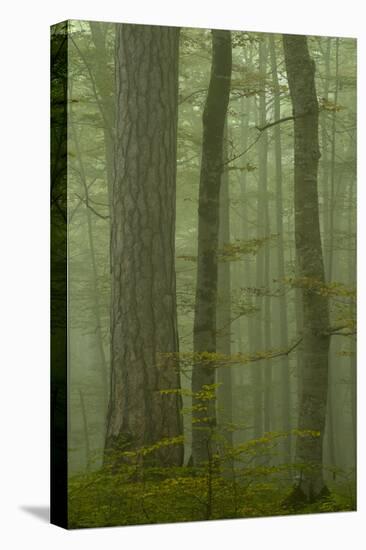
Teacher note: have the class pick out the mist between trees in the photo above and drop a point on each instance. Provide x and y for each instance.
(211, 253)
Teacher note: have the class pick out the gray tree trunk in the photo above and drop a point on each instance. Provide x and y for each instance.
(314, 387)
(285, 367)
(224, 327)
(328, 234)
(144, 342)
(95, 289)
(104, 83)
(268, 412)
(204, 331)
(247, 325)
(260, 374)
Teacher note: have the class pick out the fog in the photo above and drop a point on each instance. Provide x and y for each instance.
(125, 172)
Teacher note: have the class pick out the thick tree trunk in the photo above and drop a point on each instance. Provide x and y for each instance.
(204, 332)
(314, 387)
(143, 307)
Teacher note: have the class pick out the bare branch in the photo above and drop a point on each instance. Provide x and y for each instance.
(86, 201)
(270, 124)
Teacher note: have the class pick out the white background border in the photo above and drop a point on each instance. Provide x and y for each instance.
(24, 219)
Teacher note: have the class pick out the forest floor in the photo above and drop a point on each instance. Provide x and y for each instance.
(185, 494)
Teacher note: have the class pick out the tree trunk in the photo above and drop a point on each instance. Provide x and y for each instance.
(332, 171)
(260, 376)
(204, 331)
(324, 142)
(144, 342)
(104, 81)
(314, 387)
(224, 328)
(285, 366)
(95, 290)
(328, 233)
(246, 280)
(265, 221)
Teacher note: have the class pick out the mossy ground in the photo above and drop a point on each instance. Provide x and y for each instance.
(184, 494)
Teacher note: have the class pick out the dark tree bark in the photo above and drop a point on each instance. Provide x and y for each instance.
(314, 385)
(144, 342)
(204, 332)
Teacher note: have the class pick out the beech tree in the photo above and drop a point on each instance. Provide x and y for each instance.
(316, 331)
(204, 331)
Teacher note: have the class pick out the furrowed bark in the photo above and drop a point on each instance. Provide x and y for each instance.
(144, 342)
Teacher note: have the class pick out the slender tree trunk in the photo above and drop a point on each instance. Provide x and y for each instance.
(327, 215)
(223, 314)
(331, 412)
(264, 198)
(104, 83)
(101, 360)
(324, 142)
(144, 344)
(259, 375)
(313, 401)
(332, 171)
(204, 332)
(285, 367)
(245, 234)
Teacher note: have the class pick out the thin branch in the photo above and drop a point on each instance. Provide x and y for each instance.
(86, 201)
(270, 124)
(183, 99)
(239, 155)
(94, 86)
(72, 214)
